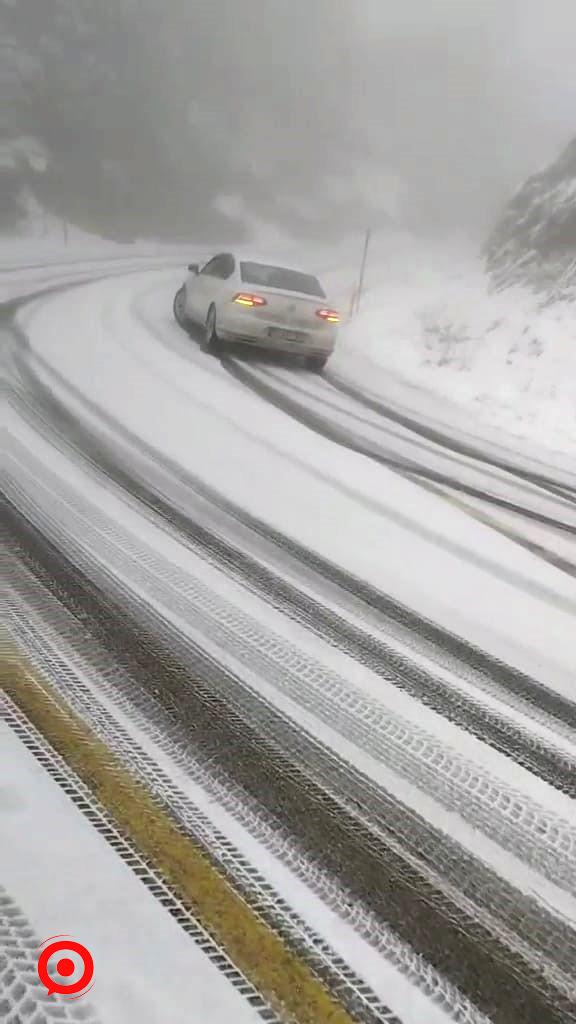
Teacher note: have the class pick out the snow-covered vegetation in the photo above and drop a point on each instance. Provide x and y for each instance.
(534, 243)
(489, 361)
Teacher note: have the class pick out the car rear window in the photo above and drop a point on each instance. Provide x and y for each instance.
(280, 277)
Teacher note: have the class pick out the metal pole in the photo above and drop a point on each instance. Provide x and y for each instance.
(363, 269)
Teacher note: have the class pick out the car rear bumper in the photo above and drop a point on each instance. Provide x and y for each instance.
(313, 345)
(247, 330)
(273, 345)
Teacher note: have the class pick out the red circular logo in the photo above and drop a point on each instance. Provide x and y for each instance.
(65, 967)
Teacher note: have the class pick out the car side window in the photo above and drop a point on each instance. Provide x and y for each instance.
(228, 266)
(221, 266)
(211, 268)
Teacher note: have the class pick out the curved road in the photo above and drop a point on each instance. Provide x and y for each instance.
(352, 634)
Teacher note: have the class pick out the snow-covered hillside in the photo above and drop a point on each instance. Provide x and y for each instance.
(534, 243)
(488, 345)
(431, 335)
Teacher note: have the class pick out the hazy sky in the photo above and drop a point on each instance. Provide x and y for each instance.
(437, 108)
(344, 110)
(473, 94)
(463, 98)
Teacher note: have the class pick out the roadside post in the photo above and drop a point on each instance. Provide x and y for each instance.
(362, 270)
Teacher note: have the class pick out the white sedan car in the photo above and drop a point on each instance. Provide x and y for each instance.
(267, 307)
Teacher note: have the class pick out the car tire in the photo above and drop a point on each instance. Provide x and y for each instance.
(211, 342)
(316, 363)
(180, 310)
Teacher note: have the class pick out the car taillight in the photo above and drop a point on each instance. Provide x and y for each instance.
(244, 299)
(329, 315)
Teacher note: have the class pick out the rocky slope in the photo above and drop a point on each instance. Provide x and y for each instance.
(534, 243)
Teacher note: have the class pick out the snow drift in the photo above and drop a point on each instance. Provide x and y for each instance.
(499, 365)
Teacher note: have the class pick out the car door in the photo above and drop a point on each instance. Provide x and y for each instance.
(222, 281)
(213, 284)
(199, 289)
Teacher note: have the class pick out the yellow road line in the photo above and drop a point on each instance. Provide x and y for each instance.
(281, 977)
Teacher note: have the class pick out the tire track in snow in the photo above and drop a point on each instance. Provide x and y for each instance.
(446, 440)
(521, 826)
(469, 712)
(70, 658)
(375, 866)
(83, 798)
(506, 682)
(334, 431)
(23, 999)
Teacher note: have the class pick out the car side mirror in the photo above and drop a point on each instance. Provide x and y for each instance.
(193, 268)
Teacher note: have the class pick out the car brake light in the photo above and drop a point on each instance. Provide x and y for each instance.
(244, 299)
(329, 315)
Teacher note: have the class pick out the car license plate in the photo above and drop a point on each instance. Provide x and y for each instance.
(282, 335)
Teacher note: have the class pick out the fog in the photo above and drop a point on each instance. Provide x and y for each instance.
(192, 116)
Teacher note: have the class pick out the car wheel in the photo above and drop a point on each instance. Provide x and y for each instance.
(316, 363)
(212, 343)
(180, 309)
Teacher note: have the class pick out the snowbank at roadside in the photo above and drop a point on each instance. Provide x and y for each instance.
(494, 363)
(33, 263)
(55, 246)
(146, 967)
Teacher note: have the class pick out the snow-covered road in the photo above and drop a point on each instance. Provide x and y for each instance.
(381, 617)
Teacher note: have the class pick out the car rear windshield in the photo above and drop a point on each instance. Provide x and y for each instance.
(279, 277)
